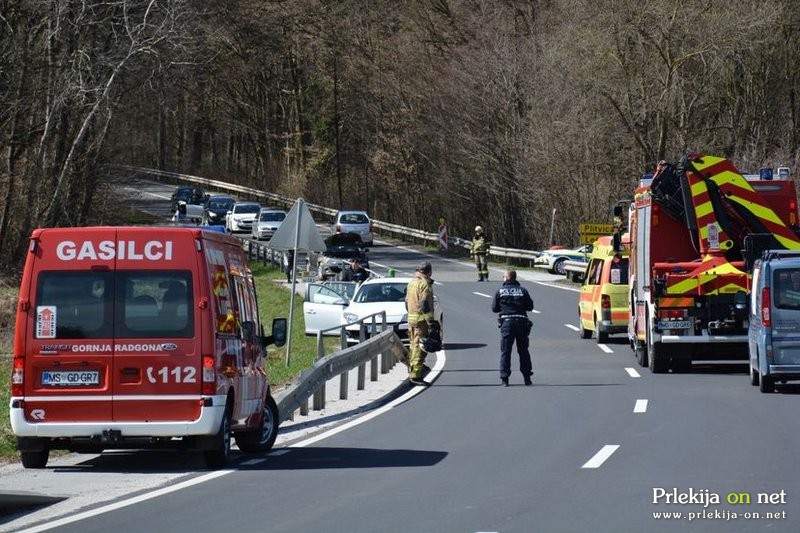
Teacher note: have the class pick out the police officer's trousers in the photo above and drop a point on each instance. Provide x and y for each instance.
(515, 330)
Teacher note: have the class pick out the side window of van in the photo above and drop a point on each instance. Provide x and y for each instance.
(78, 304)
(245, 295)
(594, 272)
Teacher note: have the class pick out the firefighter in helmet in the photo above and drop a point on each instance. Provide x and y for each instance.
(419, 303)
(480, 251)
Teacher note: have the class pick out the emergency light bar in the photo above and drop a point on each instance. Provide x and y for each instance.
(765, 173)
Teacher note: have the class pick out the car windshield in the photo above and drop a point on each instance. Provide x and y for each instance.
(246, 208)
(354, 218)
(381, 292)
(220, 203)
(343, 251)
(272, 216)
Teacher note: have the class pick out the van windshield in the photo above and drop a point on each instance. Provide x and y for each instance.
(121, 304)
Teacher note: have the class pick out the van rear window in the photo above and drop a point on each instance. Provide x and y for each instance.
(787, 282)
(121, 304)
(618, 274)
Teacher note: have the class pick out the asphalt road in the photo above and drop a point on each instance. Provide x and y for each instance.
(596, 444)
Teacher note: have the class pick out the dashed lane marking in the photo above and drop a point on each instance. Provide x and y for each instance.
(601, 456)
(605, 348)
(632, 372)
(640, 407)
(481, 294)
(573, 328)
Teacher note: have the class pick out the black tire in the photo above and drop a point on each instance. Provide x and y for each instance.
(602, 336)
(558, 267)
(37, 459)
(657, 360)
(754, 377)
(262, 438)
(640, 351)
(217, 457)
(766, 384)
(585, 333)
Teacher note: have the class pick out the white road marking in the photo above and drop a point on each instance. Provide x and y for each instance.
(632, 372)
(573, 328)
(640, 407)
(536, 312)
(605, 348)
(601, 456)
(481, 294)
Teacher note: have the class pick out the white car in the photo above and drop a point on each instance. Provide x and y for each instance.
(327, 305)
(553, 258)
(357, 222)
(267, 223)
(241, 216)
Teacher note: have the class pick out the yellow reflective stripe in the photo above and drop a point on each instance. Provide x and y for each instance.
(676, 302)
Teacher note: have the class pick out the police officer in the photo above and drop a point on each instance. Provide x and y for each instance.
(479, 251)
(419, 303)
(513, 302)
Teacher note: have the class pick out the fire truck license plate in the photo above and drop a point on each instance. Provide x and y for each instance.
(674, 324)
(70, 378)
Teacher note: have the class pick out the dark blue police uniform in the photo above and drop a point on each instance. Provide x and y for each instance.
(513, 302)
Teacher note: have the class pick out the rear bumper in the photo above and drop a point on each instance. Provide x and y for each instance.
(207, 424)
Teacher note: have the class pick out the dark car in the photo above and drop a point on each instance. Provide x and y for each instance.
(216, 206)
(340, 249)
(190, 194)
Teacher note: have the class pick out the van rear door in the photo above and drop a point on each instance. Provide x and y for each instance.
(786, 316)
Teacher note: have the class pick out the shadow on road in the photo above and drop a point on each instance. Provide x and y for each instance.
(316, 458)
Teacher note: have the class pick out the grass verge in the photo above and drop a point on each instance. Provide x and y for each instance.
(273, 301)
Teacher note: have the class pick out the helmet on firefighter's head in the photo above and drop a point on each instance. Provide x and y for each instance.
(478, 229)
(425, 267)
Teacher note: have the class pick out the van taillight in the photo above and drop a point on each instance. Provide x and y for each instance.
(209, 375)
(792, 212)
(605, 301)
(17, 376)
(765, 305)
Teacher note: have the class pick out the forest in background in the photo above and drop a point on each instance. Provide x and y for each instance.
(491, 112)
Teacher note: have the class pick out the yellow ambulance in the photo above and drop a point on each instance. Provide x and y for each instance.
(603, 304)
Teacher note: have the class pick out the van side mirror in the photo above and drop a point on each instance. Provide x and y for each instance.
(278, 337)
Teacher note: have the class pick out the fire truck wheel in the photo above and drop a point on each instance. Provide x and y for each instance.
(659, 362)
(641, 355)
(37, 459)
(766, 384)
(754, 376)
(261, 439)
(217, 457)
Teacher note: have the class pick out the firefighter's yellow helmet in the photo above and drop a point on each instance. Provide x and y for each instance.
(478, 229)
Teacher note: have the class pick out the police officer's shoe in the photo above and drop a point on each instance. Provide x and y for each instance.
(528, 380)
(504, 382)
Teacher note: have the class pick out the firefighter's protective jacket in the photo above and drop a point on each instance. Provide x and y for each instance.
(480, 245)
(419, 299)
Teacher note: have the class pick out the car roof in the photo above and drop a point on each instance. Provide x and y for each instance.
(246, 203)
(377, 281)
(272, 210)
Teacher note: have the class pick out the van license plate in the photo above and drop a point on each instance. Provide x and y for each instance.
(70, 378)
(674, 324)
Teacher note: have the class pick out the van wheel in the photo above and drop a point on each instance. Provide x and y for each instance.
(602, 336)
(585, 333)
(754, 376)
(766, 384)
(262, 438)
(37, 459)
(217, 457)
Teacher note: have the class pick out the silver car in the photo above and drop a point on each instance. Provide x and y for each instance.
(267, 223)
(241, 216)
(357, 222)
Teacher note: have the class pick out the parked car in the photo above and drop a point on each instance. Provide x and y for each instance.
(328, 304)
(340, 249)
(241, 216)
(215, 209)
(267, 223)
(190, 194)
(553, 258)
(357, 222)
(774, 321)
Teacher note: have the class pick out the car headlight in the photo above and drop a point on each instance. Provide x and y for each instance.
(404, 318)
(350, 317)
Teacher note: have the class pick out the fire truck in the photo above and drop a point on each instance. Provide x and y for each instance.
(695, 228)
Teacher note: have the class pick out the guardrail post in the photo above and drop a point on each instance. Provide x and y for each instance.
(344, 377)
(385, 363)
(319, 394)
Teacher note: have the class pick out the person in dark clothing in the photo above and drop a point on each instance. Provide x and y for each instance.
(513, 302)
(355, 273)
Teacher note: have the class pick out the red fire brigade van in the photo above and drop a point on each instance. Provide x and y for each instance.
(135, 337)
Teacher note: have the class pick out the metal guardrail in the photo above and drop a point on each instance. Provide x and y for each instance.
(575, 270)
(395, 230)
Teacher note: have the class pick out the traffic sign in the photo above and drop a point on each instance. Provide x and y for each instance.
(597, 229)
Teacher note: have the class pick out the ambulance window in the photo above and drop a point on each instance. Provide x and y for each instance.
(595, 269)
(154, 304)
(618, 275)
(74, 305)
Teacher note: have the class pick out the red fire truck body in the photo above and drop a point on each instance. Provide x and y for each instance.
(690, 226)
